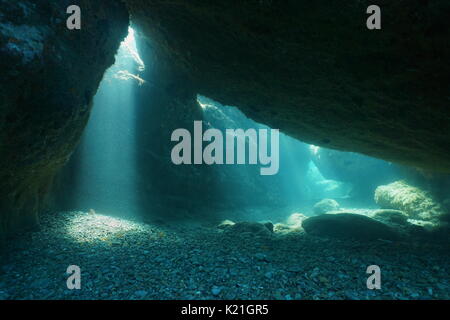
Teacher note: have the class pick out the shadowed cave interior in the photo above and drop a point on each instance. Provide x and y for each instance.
(88, 178)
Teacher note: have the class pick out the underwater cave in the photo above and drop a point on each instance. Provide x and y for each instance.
(203, 151)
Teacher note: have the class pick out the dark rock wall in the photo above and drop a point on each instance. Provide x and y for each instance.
(315, 71)
(49, 76)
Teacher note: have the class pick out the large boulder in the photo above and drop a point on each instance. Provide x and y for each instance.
(293, 224)
(325, 206)
(415, 202)
(348, 226)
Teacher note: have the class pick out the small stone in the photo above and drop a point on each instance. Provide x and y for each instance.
(294, 269)
(261, 257)
(350, 295)
(325, 206)
(298, 296)
(440, 286)
(3, 295)
(216, 290)
(323, 279)
(140, 293)
(40, 284)
(314, 273)
(279, 295)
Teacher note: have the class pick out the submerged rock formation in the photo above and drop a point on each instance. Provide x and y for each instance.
(348, 226)
(49, 76)
(316, 72)
(416, 203)
(325, 205)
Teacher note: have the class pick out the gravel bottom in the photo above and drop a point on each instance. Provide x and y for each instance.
(122, 259)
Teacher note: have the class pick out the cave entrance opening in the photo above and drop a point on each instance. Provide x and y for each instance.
(307, 174)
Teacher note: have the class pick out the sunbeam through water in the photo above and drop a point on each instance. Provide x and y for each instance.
(107, 170)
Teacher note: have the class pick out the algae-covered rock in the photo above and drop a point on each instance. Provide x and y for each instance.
(293, 224)
(225, 224)
(281, 228)
(295, 220)
(416, 203)
(348, 226)
(325, 205)
(269, 225)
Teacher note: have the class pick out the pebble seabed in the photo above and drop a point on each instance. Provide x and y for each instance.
(121, 259)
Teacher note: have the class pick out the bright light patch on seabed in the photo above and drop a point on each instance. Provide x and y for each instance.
(84, 227)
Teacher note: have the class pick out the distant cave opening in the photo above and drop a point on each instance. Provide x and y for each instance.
(307, 174)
